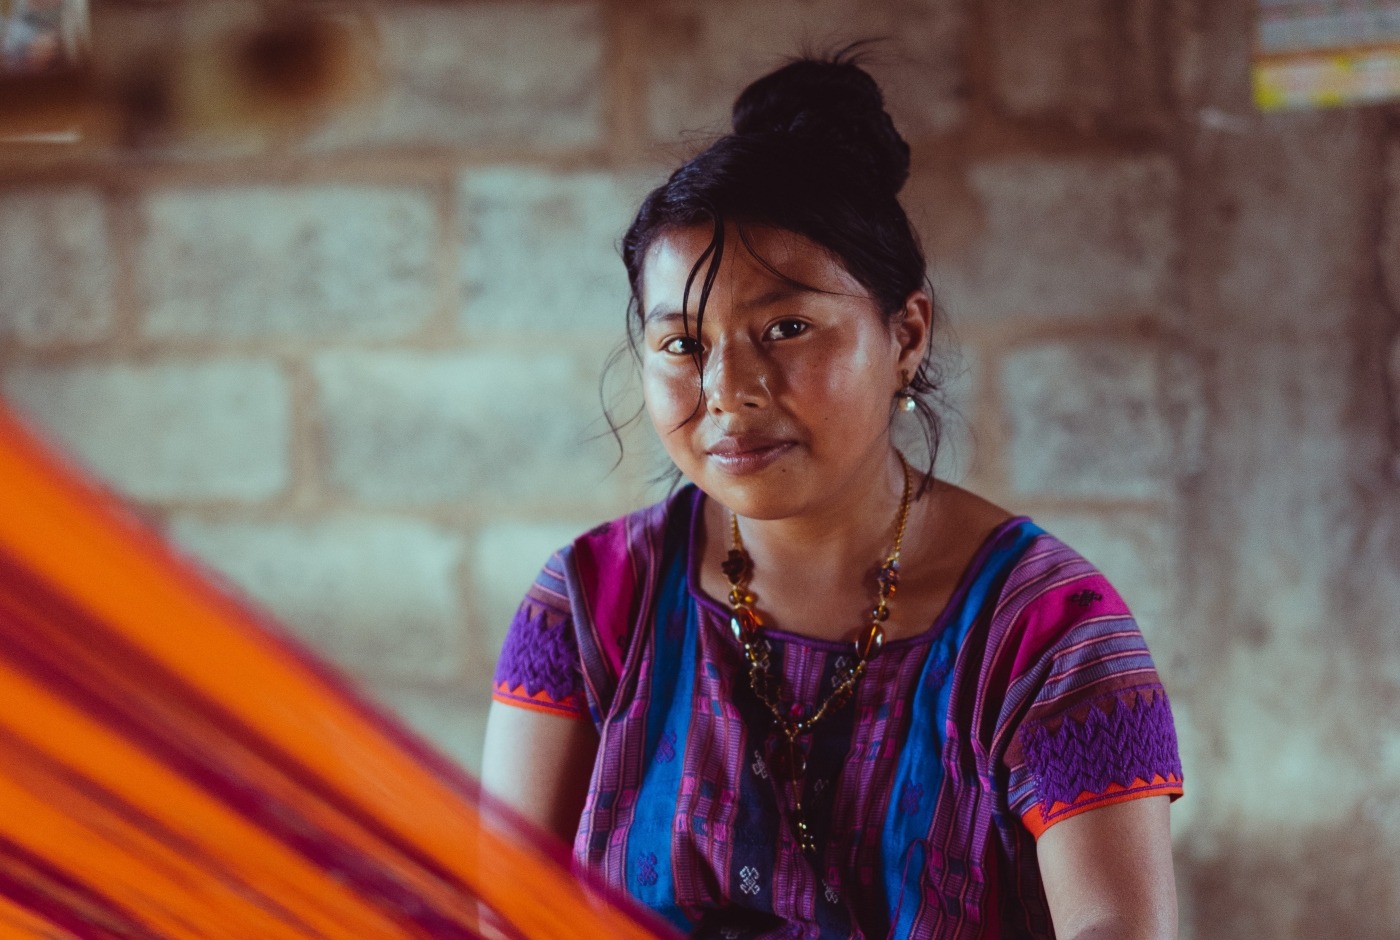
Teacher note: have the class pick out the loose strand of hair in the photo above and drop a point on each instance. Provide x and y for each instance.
(615, 427)
(710, 258)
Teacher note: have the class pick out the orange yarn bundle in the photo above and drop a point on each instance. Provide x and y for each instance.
(171, 767)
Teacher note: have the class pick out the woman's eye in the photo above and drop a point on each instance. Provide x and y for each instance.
(680, 346)
(787, 329)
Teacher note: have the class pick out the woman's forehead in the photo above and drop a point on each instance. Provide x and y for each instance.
(753, 265)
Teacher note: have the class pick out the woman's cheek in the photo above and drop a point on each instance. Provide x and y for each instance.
(815, 386)
(670, 399)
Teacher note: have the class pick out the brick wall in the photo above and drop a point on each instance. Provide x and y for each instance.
(358, 376)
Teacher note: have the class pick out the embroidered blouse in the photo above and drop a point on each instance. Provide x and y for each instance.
(1031, 698)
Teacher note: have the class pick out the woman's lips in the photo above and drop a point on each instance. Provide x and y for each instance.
(739, 456)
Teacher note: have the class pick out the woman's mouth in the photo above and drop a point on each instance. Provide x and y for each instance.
(741, 455)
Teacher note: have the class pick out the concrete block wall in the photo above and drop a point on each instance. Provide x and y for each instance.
(358, 377)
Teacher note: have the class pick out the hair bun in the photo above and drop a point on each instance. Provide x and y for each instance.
(833, 101)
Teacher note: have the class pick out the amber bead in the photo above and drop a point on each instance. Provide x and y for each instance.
(880, 614)
(745, 624)
(871, 644)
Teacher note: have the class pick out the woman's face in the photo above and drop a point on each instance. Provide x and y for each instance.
(795, 405)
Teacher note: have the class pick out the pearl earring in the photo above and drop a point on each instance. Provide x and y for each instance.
(904, 397)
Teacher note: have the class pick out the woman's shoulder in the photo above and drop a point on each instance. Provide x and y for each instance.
(607, 568)
(964, 538)
(596, 555)
(642, 530)
(1055, 614)
(1032, 556)
(1053, 576)
(576, 616)
(1039, 588)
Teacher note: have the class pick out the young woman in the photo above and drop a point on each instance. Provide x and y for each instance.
(818, 692)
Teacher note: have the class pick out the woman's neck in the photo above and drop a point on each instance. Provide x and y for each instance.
(857, 523)
(823, 560)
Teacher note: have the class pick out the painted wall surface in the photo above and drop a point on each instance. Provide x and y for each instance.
(359, 377)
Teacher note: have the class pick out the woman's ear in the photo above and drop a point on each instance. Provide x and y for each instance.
(912, 326)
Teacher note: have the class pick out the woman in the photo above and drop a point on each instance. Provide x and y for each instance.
(818, 693)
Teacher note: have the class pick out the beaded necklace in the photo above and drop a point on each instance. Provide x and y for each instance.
(786, 757)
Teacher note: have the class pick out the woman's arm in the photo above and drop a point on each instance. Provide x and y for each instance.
(539, 765)
(1108, 873)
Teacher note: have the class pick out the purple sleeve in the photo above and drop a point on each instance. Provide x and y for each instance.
(539, 666)
(1099, 726)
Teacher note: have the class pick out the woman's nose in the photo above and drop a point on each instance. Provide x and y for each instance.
(735, 377)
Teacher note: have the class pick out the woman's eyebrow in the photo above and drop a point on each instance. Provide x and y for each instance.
(775, 295)
(661, 314)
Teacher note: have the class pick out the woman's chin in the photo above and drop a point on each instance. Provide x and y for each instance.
(756, 496)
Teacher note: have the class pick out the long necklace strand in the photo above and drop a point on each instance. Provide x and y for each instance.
(786, 757)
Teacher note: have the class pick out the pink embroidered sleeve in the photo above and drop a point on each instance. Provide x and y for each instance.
(1099, 728)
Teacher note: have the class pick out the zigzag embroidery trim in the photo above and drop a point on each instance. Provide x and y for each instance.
(1115, 745)
(540, 655)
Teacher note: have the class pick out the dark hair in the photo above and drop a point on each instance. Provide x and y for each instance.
(812, 152)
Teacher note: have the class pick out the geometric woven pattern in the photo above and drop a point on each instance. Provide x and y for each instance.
(541, 654)
(1116, 743)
